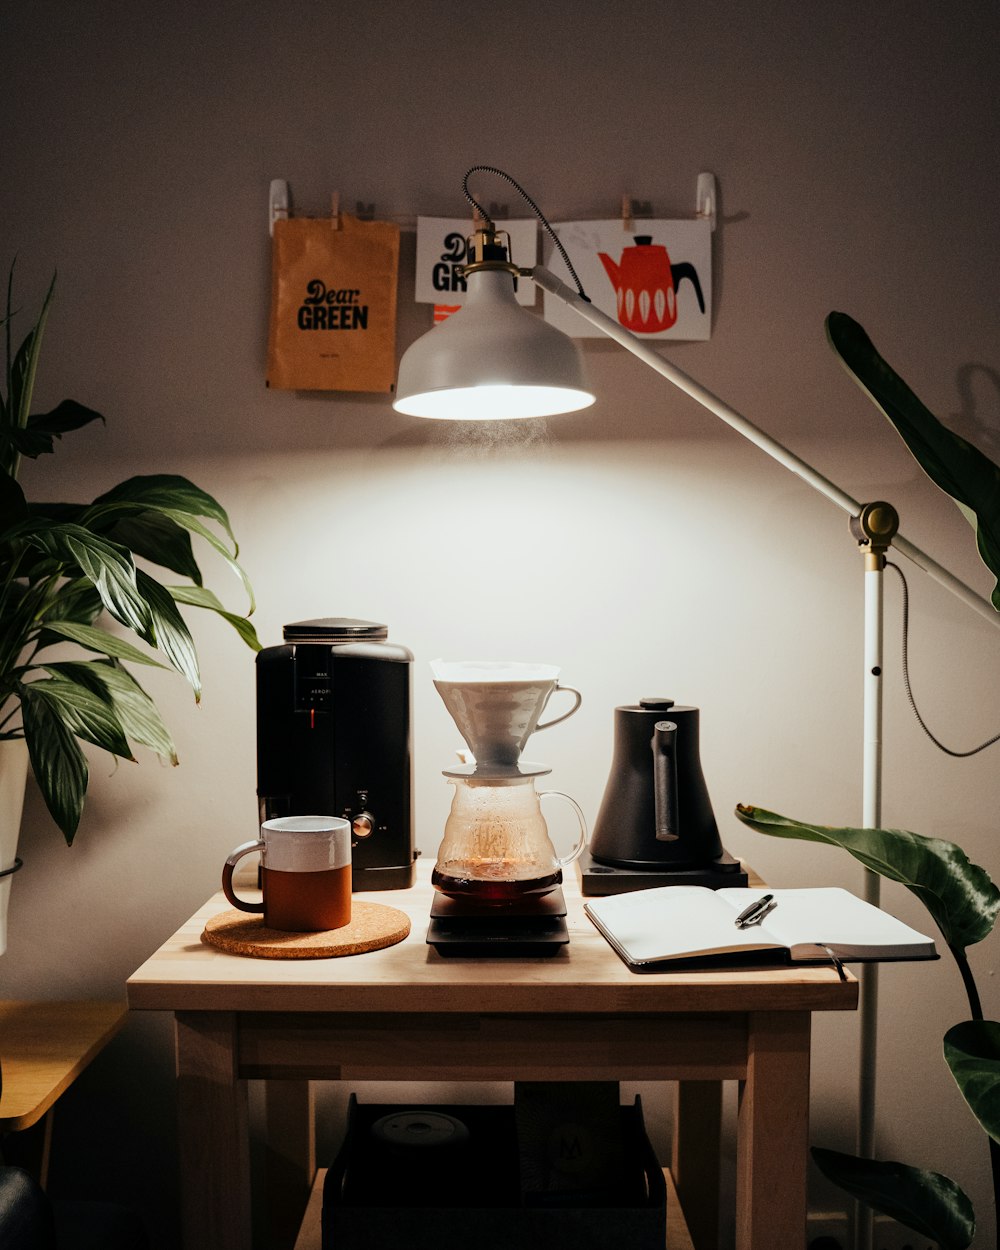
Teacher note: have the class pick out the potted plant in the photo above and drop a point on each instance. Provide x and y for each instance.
(960, 896)
(71, 594)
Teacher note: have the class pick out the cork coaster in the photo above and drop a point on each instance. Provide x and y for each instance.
(373, 926)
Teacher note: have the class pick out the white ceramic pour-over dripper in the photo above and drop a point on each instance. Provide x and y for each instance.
(497, 704)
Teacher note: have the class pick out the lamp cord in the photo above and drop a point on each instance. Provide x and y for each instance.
(492, 169)
(906, 678)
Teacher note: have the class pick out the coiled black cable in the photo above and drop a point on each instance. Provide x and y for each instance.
(492, 169)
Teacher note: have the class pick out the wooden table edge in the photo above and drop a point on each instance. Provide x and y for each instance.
(117, 1012)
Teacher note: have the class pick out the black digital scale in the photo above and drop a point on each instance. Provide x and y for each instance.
(529, 927)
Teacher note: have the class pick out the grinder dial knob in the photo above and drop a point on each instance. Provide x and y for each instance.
(363, 825)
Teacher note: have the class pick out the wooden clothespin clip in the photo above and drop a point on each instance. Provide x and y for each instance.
(627, 213)
(335, 210)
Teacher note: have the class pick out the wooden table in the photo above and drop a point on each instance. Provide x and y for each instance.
(406, 1013)
(44, 1046)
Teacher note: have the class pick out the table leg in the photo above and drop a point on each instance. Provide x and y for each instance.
(695, 1157)
(772, 1134)
(290, 1156)
(214, 1141)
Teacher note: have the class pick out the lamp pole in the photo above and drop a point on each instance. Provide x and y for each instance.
(874, 526)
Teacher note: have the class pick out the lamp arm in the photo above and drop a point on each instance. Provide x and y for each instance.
(645, 352)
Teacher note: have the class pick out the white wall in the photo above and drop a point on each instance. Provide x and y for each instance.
(640, 545)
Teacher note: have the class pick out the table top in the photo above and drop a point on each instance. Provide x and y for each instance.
(585, 976)
(44, 1046)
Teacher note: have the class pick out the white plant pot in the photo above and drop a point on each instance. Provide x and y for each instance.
(13, 774)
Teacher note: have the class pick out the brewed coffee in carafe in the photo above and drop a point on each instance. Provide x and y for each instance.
(496, 848)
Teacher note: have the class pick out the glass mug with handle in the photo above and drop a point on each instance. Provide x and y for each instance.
(305, 873)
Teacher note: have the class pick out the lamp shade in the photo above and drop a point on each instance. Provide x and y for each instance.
(491, 360)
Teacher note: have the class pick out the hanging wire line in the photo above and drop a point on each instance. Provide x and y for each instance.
(492, 169)
(906, 678)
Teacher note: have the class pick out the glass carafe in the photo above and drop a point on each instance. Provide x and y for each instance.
(496, 847)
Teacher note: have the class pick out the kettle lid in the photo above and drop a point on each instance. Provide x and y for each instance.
(658, 706)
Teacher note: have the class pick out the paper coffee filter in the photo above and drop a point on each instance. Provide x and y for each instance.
(483, 671)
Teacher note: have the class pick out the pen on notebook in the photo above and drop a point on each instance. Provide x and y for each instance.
(756, 911)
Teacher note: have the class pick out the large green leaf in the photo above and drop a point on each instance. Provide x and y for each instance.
(929, 1203)
(972, 1051)
(200, 597)
(171, 634)
(107, 565)
(959, 468)
(84, 713)
(156, 538)
(42, 429)
(168, 493)
(99, 640)
(134, 708)
(76, 600)
(182, 502)
(56, 761)
(960, 895)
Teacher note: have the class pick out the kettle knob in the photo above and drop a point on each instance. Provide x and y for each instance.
(656, 704)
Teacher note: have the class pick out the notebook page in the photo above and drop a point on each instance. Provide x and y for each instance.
(673, 921)
(830, 916)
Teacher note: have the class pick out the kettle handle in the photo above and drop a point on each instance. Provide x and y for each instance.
(562, 861)
(555, 720)
(664, 744)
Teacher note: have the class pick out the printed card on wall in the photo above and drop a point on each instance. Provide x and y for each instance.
(441, 252)
(656, 279)
(333, 305)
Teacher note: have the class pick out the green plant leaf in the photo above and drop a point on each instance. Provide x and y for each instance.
(929, 1203)
(38, 435)
(956, 466)
(13, 507)
(107, 565)
(959, 895)
(76, 600)
(25, 364)
(57, 761)
(100, 640)
(171, 634)
(182, 502)
(168, 493)
(199, 597)
(134, 708)
(84, 713)
(156, 538)
(972, 1051)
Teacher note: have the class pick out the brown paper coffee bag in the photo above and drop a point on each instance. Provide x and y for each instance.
(333, 305)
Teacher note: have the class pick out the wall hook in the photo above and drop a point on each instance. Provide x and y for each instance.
(278, 203)
(705, 199)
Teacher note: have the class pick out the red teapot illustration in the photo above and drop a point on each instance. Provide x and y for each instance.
(646, 283)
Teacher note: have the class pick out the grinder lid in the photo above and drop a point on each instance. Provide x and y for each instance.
(332, 630)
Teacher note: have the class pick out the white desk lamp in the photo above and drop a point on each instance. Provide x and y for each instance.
(494, 359)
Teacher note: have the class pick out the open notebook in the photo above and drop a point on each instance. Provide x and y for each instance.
(808, 925)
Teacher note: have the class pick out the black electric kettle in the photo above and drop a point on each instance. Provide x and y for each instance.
(656, 812)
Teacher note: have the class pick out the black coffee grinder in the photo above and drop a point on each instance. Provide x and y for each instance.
(656, 825)
(333, 738)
